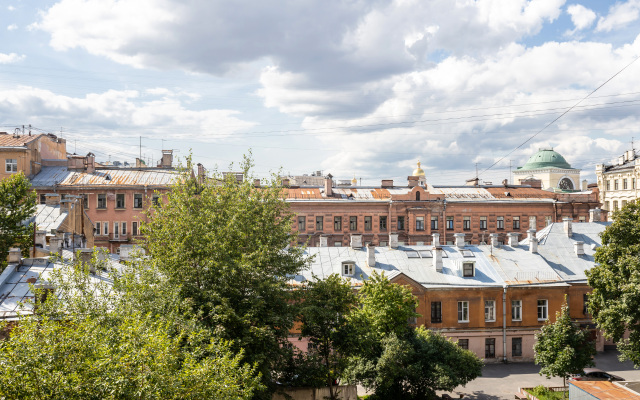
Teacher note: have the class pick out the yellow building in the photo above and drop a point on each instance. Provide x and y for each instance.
(26, 153)
(618, 183)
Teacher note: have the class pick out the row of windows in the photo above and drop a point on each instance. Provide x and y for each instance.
(101, 200)
(490, 346)
(489, 311)
(11, 165)
(615, 205)
(624, 184)
(119, 228)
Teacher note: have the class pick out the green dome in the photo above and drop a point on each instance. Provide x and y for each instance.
(546, 158)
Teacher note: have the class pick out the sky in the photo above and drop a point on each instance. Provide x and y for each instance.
(362, 88)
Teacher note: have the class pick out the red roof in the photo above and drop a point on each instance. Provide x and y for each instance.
(9, 140)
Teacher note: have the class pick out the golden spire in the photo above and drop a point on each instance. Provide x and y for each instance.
(354, 181)
(418, 171)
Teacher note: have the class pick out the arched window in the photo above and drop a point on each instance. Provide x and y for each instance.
(417, 195)
(566, 184)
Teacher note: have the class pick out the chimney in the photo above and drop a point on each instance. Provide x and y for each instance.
(533, 244)
(55, 244)
(579, 247)
(371, 256)
(328, 186)
(285, 182)
(52, 199)
(65, 205)
(494, 240)
(356, 241)
(167, 159)
(459, 240)
(90, 163)
(201, 174)
(585, 185)
(437, 258)
(387, 183)
(595, 215)
(531, 233)
(15, 255)
(568, 228)
(513, 238)
(413, 181)
(324, 242)
(256, 183)
(436, 239)
(393, 240)
(41, 238)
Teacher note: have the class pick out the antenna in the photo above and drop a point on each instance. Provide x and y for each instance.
(29, 129)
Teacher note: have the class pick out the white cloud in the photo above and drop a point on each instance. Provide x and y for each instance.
(620, 15)
(12, 27)
(11, 8)
(581, 16)
(10, 58)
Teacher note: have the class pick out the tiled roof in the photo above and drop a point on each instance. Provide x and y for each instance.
(9, 140)
(604, 390)
(61, 176)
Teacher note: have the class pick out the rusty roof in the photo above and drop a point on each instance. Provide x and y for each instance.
(519, 193)
(110, 177)
(303, 193)
(605, 390)
(10, 140)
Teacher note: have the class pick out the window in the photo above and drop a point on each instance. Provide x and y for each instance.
(499, 222)
(466, 223)
(367, 223)
(615, 205)
(337, 224)
(585, 304)
(400, 223)
(606, 205)
(532, 222)
(102, 201)
(85, 200)
(516, 310)
(516, 347)
(489, 310)
(120, 200)
(436, 312)
(97, 230)
(516, 222)
(434, 223)
(633, 183)
(547, 220)
(463, 311)
(582, 218)
(467, 269)
(383, 222)
(116, 229)
(302, 222)
(417, 196)
(419, 223)
(608, 185)
(319, 223)
(624, 183)
(63, 196)
(449, 223)
(124, 229)
(105, 228)
(43, 199)
(489, 348)
(615, 184)
(348, 268)
(134, 228)
(137, 200)
(624, 203)
(155, 199)
(483, 222)
(11, 165)
(543, 308)
(353, 223)
(463, 344)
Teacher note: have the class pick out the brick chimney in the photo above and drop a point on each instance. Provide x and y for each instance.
(371, 256)
(393, 240)
(436, 239)
(15, 255)
(387, 183)
(201, 174)
(328, 186)
(579, 248)
(167, 159)
(356, 241)
(437, 258)
(90, 163)
(513, 238)
(595, 215)
(568, 228)
(324, 242)
(459, 240)
(533, 244)
(52, 199)
(494, 240)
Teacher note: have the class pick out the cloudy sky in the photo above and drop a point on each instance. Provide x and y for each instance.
(352, 87)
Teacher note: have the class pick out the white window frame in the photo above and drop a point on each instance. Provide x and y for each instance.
(483, 223)
(489, 310)
(105, 228)
(116, 229)
(134, 228)
(11, 165)
(140, 197)
(543, 309)
(516, 310)
(98, 229)
(123, 228)
(500, 222)
(463, 311)
(98, 201)
(348, 268)
(124, 201)
(473, 269)
(419, 223)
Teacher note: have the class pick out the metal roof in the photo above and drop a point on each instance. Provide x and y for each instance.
(49, 217)
(10, 140)
(62, 176)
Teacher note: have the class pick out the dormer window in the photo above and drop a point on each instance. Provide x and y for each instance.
(348, 268)
(468, 269)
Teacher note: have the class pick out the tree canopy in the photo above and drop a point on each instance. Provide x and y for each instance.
(615, 279)
(562, 348)
(17, 204)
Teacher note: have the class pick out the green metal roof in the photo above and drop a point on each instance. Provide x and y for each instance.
(546, 158)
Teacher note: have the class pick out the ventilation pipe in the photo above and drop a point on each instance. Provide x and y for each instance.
(595, 215)
(436, 239)
(371, 256)
(459, 240)
(494, 240)
(437, 258)
(513, 238)
(568, 228)
(324, 241)
(328, 186)
(533, 244)
(356, 241)
(15, 255)
(393, 240)
(579, 248)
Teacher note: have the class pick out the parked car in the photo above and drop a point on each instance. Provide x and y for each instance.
(595, 374)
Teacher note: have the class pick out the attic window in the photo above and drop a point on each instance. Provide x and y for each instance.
(468, 269)
(412, 254)
(425, 254)
(107, 178)
(348, 268)
(467, 253)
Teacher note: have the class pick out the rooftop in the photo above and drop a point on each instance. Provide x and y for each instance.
(11, 140)
(62, 176)
(545, 158)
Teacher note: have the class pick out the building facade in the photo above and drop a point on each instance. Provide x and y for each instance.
(618, 182)
(552, 170)
(25, 153)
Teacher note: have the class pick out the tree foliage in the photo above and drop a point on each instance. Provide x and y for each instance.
(223, 244)
(17, 204)
(562, 348)
(94, 340)
(615, 279)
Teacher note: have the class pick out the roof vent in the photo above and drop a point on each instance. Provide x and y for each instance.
(356, 241)
(459, 239)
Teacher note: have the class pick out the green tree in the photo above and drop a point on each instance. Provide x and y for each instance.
(325, 309)
(17, 204)
(562, 348)
(95, 340)
(223, 244)
(615, 300)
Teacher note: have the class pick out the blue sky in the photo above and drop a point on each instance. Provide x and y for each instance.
(362, 88)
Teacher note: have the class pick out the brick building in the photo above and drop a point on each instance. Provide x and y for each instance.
(25, 152)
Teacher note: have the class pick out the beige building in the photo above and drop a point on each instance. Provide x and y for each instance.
(618, 183)
(26, 153)
(555, 173)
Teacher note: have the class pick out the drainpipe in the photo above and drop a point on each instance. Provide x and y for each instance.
(504, 323)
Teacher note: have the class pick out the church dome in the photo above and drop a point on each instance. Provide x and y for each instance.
(418, 171)
(546, 158)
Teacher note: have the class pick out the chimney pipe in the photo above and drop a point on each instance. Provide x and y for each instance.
(328, 186)
(459, 240)
(371, 256)
(437, 258)
(15, 255)
(52, 199)
(356, 241)
(595, 215)
(494, 240)
(91, 163)
(436, 239)
(513, 238)
(533, 244)
(579, 248)
(256, 183)
(393, 240)
(568, 228)
(531, 233)
(323, 241)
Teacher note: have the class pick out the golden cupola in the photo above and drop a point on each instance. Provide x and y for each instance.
(418, 171)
